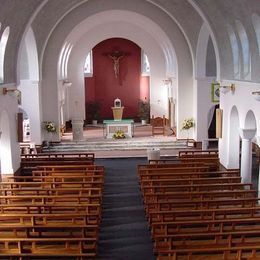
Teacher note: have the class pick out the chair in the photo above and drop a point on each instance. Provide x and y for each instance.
(158, 125)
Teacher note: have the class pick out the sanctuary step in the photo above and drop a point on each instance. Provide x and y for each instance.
(115, 145)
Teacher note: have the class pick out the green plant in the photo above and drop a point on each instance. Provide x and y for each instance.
(49, 126)
(119, 134)
(93, 110)
(144, 110)
(187, 124)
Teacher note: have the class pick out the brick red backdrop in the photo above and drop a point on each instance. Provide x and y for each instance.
(130, 86)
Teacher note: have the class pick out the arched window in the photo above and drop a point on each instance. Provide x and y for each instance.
(88, 66)
(145, 64)
(235, 51)
(246, 73)
(256, 24)
(3, 43)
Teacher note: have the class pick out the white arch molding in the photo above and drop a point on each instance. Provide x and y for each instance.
(156, 44)
(29, 83)
(247, 134)
(123, 24)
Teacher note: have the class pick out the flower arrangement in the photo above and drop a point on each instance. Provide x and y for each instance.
(119, 134)
(188, 123)
(49, 126)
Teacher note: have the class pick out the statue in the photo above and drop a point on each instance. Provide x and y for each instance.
(116, 56)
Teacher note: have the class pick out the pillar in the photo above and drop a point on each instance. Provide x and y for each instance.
(77, 129)
(246, 154)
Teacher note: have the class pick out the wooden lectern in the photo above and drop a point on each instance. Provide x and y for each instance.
(117, 113)
(117, 110)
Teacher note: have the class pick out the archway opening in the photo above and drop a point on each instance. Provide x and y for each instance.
(234, 140)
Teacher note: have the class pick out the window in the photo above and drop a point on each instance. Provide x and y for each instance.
(88, 66)
(246, 73)
(235, 52)
(145, 64)
(256, 24)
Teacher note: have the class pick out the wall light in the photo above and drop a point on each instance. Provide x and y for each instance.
(256, 95)
(225, 89)
(66, 83)
(167, 82)
(17, 93)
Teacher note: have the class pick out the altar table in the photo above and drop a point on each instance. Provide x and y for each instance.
(112, 126)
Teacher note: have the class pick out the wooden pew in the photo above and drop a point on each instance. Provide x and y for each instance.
(199, 204)
(198, 152)
(49, 247)
(51, 199)
(198, 195)
(189, 181)
(192, 226)
(45, 219)
(160, 188)
(57, 208)
(204, 214)
(89, 181)
(11, 185)
(164, 174)
(228, 252)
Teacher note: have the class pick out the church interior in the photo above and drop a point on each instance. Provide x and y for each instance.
(129, 129)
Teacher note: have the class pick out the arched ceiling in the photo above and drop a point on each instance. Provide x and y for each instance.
(46, 15)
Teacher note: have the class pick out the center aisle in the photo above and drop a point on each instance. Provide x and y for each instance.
(124, 232)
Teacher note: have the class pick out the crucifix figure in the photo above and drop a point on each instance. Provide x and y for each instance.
(116, 56)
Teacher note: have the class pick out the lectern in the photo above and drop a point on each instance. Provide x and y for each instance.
(117, 110)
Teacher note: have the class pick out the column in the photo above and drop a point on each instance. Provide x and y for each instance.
(77, 129)
(246, 154)
(258, 143)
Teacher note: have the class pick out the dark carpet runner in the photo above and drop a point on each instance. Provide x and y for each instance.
(124, 232)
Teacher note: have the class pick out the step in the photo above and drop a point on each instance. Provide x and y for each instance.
(115, 145)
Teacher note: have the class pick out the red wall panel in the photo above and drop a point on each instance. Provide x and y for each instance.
(129, 86)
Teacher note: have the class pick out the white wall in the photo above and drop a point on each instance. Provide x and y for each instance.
(9, 144)
(244, 101)
(202, 106)
(30, 103)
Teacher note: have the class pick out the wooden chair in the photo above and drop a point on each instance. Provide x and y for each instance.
(158, 125)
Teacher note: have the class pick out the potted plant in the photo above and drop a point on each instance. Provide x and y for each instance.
(144, 111)
(51, 129)
(186, 125)
(93, 111)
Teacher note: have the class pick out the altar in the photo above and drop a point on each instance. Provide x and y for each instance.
(112, 126)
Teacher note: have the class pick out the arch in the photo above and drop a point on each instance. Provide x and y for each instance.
(213, 38)
(205, 53)
(235, 51)
(250, 120)
(3, 43)
(28, 63)
(141, 30)
(5, 144)
(28, 75)
(246, 56)
(138, 21)
(233, 139)
(156, 41)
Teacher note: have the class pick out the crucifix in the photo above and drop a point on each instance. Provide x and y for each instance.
(116, 56)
